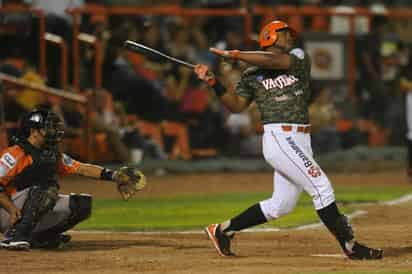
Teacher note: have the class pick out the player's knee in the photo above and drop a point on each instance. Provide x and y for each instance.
(80, 206)
(275, 208)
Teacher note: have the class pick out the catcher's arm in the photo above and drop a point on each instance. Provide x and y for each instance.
(129, 180)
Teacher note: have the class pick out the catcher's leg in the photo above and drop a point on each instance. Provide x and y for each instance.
(18, 200)
(39, 201)
(68, 212)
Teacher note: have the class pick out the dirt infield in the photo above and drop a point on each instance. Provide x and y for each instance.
(289, 251)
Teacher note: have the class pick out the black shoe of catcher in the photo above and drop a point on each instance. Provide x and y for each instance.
(362, 252)
(53, 242)
(15, 241)
(220, 241)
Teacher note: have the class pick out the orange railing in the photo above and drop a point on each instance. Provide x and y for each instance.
(55, 93)
(267, 12)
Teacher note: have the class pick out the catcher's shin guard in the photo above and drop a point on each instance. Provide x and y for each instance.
(80, 209)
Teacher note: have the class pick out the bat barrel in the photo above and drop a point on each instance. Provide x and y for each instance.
(133, 46)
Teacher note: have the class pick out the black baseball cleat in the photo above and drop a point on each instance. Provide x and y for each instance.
(220, 241)
(14, 240)
(54, 242)
(361, 252)
(16, 243)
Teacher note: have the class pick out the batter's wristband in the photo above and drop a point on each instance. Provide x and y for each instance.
(219, 89)
(107, 174)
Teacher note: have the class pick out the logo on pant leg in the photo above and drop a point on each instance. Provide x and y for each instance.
(312, 169)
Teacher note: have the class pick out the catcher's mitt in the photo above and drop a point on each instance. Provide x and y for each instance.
(129, 180)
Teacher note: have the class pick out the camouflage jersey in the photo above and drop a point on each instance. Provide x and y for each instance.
(282, 96)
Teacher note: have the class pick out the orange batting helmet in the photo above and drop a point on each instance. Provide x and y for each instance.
(268, 35)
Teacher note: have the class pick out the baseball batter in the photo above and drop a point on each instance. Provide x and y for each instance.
(32, 213)
(278, 82)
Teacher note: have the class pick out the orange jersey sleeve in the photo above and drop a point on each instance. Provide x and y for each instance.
(13, 161)
(67, 165)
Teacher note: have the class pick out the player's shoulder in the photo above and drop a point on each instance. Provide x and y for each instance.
(11, 155)
(298, 53)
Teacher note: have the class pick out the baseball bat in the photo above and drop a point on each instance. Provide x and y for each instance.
(133, 46)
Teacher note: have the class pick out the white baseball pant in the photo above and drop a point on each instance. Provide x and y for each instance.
(289, 152)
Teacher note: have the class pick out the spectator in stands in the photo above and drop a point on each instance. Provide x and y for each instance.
(200, 41)
(373, 93)
(322, 115)
(13, 109)
(58, 22)
(140, 95)
(21, 100)
(244, 139)
(204, 119)
(233, 39)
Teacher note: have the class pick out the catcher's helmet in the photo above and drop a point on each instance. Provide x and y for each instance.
(43, 119)
(268, 35)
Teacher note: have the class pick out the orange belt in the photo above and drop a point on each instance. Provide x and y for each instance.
(302, 129)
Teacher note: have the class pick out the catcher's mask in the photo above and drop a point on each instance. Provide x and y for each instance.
(47, 120)
(268, 36)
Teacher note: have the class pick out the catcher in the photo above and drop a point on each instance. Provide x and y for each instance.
(33, 214)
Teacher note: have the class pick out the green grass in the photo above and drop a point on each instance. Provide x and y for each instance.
(195, 211)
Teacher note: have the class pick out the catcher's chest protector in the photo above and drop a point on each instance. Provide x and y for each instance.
(42, 171)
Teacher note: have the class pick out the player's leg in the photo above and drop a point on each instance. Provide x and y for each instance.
(283, 201)
(293, 157)
(68, 212)
(38, 202)
(284, 198)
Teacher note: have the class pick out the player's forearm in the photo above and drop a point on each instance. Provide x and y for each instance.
(265, 59)
(230, 99)
(89, 170)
